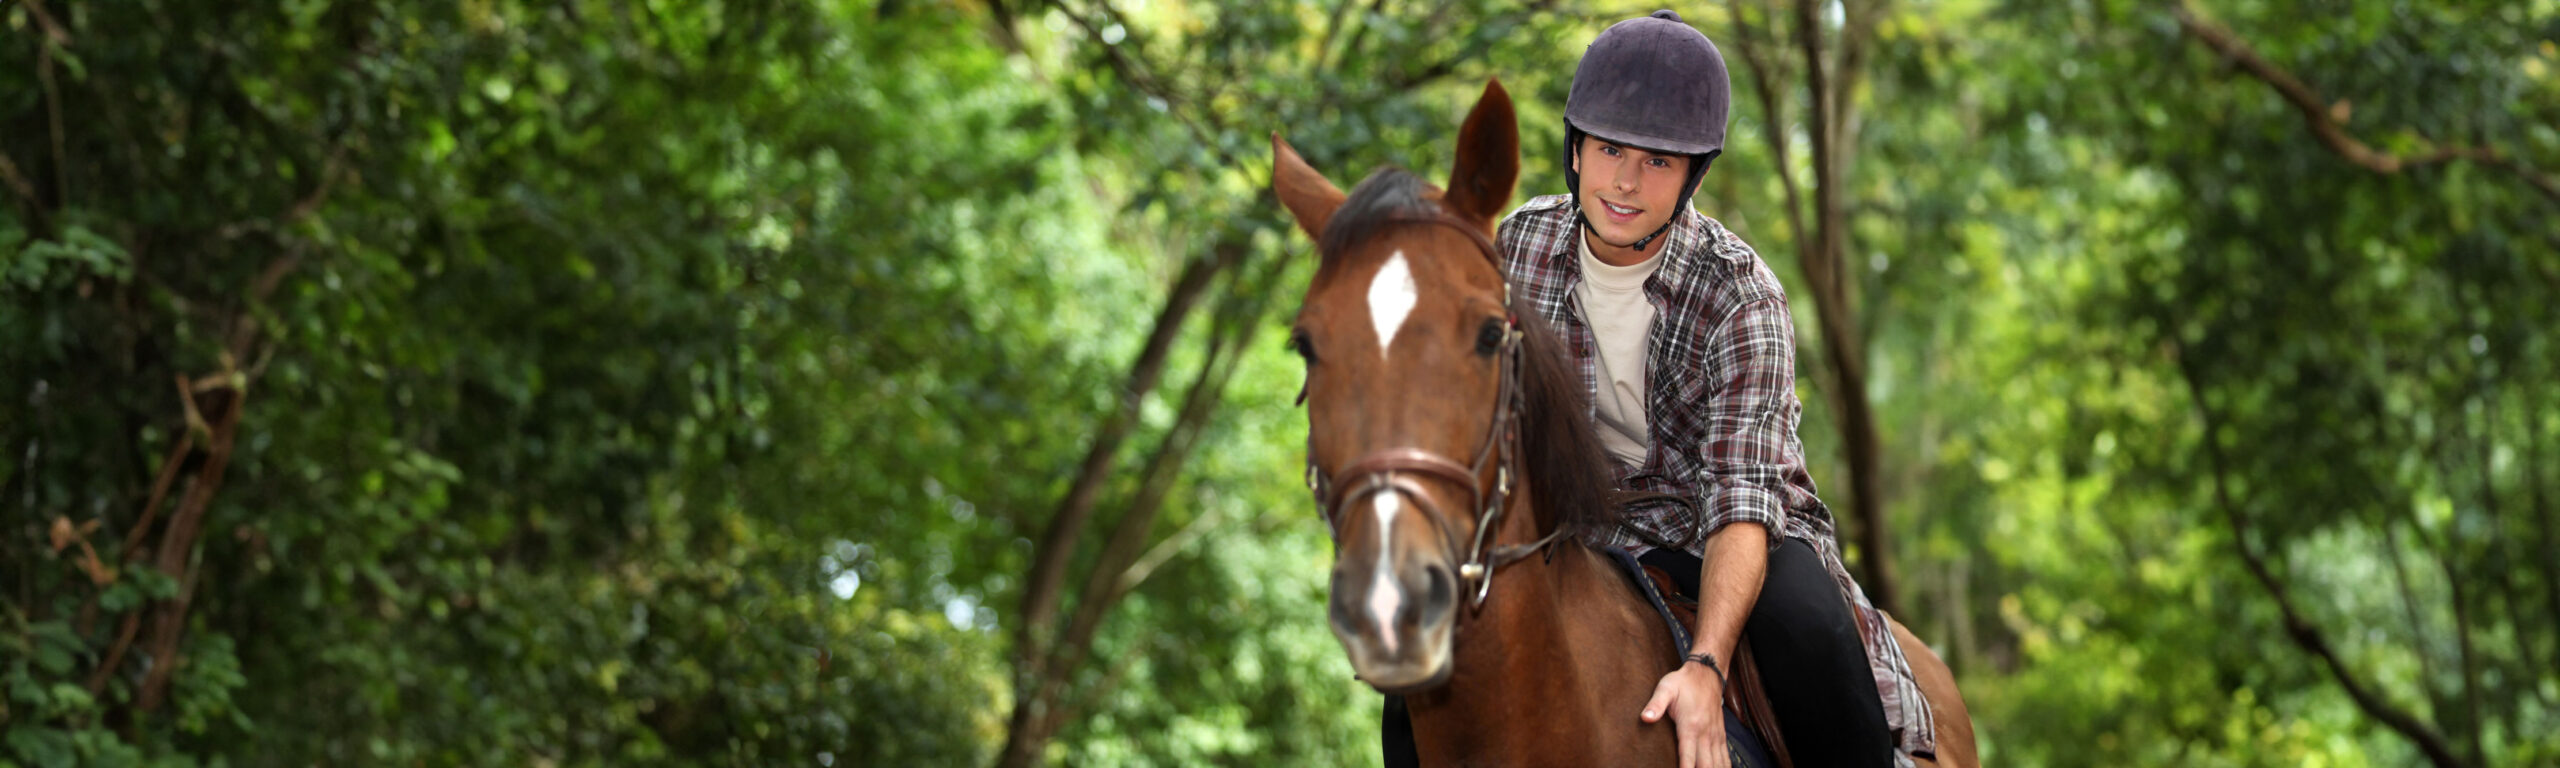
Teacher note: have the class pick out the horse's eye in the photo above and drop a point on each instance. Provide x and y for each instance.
(1489, 339)
(1299, 343)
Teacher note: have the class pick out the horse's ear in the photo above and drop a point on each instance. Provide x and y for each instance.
(1488, 157)
(1308, 195)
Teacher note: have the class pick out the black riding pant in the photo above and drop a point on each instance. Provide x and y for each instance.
(1810, 659)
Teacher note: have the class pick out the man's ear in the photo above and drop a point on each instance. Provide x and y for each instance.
(1310, 198)
(1708, 163)
(1488, 157)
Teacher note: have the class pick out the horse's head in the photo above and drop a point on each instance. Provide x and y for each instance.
(1412, 372)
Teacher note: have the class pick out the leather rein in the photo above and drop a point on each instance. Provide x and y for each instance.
(1397, 470)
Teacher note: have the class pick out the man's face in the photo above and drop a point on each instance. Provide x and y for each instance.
(1627, 193)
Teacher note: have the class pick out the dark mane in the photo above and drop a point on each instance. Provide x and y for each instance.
(1568, 470)
(1566, 467)
(1389, 195)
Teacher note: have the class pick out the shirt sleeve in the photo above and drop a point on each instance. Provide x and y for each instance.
(1750, 414)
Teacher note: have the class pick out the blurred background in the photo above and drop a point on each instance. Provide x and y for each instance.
(901, 382)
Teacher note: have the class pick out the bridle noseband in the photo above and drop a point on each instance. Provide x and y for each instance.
(1394, 470)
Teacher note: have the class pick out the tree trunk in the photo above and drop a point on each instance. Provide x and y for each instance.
(1045, 585)
(1045, 662)
(1844, 349)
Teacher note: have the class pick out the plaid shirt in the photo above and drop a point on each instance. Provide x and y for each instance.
(1720, 407)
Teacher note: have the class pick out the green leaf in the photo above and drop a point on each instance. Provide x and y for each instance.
(42, 747)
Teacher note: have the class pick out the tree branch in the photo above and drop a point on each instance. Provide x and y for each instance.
(177, 546)
(2484, 396)
(18, 183)
(2319, 115)
(1163, 551)
(1071, 706)
(1357, 34)
(160, 485)
(2299, 629)
(1332, 26)
(45, 22)
(1773, 118)
(115, 653)
(2469, 721)
(1818, 100)
(1449, 65)
(1857, 38)
(54, 38)
(1002, 16)
(1144, 80)
(2409, 606)
(330, 169)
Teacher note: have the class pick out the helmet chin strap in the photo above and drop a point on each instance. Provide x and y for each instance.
(1642, 241)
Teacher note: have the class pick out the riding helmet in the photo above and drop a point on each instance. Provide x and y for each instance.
(1656, 84)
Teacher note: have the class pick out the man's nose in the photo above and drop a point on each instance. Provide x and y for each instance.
(1628, 176)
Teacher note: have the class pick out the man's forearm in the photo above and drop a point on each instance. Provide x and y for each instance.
(1737, 559)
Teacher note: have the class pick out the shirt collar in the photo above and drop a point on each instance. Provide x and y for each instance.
(1596, 271)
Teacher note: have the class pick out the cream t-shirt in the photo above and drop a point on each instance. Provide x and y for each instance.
(1621, 319)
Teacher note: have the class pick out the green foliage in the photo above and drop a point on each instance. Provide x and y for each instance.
(686, 384)
(2133, 224)
(492, 498)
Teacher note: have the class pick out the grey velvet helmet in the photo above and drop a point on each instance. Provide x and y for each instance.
(1656, 84)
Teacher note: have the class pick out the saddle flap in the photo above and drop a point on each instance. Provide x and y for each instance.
(1745, 696)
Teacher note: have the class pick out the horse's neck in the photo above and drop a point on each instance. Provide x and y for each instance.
(1512, 640)
(1550, 645)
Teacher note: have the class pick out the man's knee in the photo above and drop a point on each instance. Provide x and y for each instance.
(1800, 604)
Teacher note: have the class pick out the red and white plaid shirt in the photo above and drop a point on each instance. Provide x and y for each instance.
(1720, 407)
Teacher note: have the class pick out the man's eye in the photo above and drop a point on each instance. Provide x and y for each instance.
(1661, 163)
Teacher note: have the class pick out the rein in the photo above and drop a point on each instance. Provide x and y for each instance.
(1394, 470)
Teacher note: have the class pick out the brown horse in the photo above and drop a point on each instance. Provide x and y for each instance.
(1449, 450)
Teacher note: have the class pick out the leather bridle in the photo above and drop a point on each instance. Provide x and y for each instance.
(1395, 470)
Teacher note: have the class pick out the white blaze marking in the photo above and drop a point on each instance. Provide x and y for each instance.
(1391, 297)
(1384, 598)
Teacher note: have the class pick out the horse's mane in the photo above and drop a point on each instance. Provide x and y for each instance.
(1566, 467)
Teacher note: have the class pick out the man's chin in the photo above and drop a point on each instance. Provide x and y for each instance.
(1621, 236)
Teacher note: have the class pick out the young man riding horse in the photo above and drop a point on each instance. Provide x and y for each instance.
(1687, 352)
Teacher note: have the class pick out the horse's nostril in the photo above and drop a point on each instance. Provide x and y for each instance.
(1339, 605)
(1440, 592)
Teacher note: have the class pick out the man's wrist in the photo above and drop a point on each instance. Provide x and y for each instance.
(1708, 660)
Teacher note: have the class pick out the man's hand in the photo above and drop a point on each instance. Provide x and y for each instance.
(1694, 698)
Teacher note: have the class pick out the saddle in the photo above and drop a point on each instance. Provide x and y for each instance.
(1751, 727)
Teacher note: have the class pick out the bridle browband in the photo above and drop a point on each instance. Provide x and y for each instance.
(1393, 470)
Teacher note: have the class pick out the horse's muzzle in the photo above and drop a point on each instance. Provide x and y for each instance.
(1396, 622)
